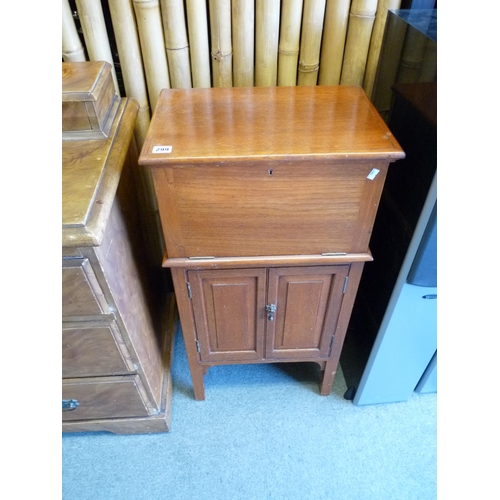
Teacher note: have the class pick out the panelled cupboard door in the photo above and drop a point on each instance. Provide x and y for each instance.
(307, 301)
(229, 313)
(257, 314)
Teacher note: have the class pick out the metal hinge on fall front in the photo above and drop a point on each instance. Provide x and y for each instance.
(190, 295)
(197, 346)
(345, 284)
(331, 342)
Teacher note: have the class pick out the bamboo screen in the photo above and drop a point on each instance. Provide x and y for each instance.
(223, 43)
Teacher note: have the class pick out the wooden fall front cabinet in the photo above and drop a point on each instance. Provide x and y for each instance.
(267, 198)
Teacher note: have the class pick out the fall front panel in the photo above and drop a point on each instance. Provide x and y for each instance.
(255, 209)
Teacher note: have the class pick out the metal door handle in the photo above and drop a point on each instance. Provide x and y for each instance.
(270, 309)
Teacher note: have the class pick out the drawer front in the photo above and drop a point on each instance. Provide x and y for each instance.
(104, 397)
(75, 116)
(81, 293)
(93, 349)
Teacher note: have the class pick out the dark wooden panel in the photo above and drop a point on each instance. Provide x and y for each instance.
(229, 313)
(103, 397)
(308, 300)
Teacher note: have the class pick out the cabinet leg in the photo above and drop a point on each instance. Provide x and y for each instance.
(343, 321)
(188, 331)
(198, 384)
(327, 382)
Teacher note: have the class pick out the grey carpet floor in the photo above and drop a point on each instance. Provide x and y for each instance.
(263, 432)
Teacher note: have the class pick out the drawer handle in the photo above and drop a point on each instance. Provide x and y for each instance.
(270, 309)
(69, 404)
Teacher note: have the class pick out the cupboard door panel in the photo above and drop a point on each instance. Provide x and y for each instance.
(307, 303)
(229, 312)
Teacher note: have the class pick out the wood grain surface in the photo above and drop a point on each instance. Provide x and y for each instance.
(234, 124)
(267, 197)
(90, 175)
(267, 208)
(81, 81)
(100, 397)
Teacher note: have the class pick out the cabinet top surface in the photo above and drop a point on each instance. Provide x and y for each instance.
(83, 167)
(219, 124)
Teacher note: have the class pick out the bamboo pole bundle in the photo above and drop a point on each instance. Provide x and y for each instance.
(359, 31)
(334, 37)
(176, 43)
(390, 55)
(289, 41)
(376, 42)
(411, 56)
(222, 50)
(197, 19)
(267, 26)
(72, 48)
(149, 26)
(310, 43)
(129, 51)
(95, 34)
(243, 17)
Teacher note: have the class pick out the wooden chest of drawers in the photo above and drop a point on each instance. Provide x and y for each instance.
(115, 346)
(267, 198)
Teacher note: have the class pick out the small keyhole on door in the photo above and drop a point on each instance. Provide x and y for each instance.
(270, 171)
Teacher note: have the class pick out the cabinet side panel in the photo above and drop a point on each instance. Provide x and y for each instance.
(139, 300)
(368, 209)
